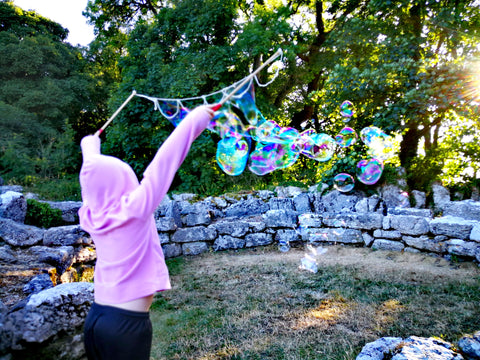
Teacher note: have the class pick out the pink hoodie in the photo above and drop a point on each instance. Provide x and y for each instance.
(118, 212)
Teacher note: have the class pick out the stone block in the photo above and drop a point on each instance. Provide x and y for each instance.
(303, 203)
(246, 208)
(408, 224)
(165, 223)
(462, 248)
(225, 242)
(13, 206)
(424, 242)
(258, 239)
(280, 219)
(194, 248)
(466, 209)
(171, 250)
(193, 234)
(394, 235)
(232, 227)
(452, 226)
(384, 244)
(66, 236)
(365, 221)
(335, 202)
(336, 235)
(281, 204)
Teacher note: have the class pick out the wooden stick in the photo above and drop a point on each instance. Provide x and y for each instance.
(116, 113)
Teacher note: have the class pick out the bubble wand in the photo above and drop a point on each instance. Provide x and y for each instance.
(116, 113)
(214, 107)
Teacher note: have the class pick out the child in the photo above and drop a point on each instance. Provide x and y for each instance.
(118, 213)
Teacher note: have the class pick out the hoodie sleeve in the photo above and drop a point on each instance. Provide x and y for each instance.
(90, 146)
(160, 172)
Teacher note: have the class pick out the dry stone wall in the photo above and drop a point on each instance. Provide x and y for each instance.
(48, 318)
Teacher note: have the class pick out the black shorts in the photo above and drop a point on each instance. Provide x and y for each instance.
(113, 333)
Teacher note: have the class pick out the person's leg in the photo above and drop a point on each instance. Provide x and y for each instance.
(122, 334)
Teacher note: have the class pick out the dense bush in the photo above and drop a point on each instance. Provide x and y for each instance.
(42, 215)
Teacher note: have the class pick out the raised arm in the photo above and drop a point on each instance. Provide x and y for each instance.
(160, 172)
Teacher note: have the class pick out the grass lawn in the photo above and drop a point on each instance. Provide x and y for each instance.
(257, 304)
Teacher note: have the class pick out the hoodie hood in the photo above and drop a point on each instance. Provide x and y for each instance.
(106, 183)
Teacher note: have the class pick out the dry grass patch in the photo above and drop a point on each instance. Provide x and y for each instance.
(257, 304)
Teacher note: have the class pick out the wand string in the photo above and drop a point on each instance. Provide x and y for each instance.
(214, 107)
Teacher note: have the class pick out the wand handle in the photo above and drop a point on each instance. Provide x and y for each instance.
(116, 113)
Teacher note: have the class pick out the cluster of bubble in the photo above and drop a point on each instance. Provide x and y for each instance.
(239, 124)
(248, 139)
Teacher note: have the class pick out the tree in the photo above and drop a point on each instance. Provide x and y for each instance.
(401, 62)
(43, 90)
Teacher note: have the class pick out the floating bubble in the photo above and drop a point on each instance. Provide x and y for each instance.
(379, 144)
(320, 147)
(346, 137)
(344, 182)
(269, 157)
(369, 171)
(271, 132)
(226, 124)
(347, 110)
(245, 101)
(316, 250)
(266, 131)
(370, 133)
(309, 263)
(232, 154)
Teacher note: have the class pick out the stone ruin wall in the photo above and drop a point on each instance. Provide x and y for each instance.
(54, 315)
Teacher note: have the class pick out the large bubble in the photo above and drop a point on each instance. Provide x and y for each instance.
(369, 171)
(379, 144)
(172, 110)
(269, 157)
(271, 132)
(320, 147)
(344, 182)
(346, 137)
(232, 154)
(245, 101)
(226, 123)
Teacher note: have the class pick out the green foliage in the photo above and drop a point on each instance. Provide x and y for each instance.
(43, 91)
(407, 66)
(42, 215)
(66, 188)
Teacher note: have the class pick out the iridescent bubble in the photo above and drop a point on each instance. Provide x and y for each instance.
(369, 171)
(245, 101)
(266, 131)
(346, 137)
(320, 147)
(232, 154)
(346, 109)
(379, 144)
(370, 133)
(271, 132)
(172, 110)
(226, 123)
(309, 263)
(269, 157)
(344, 182)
